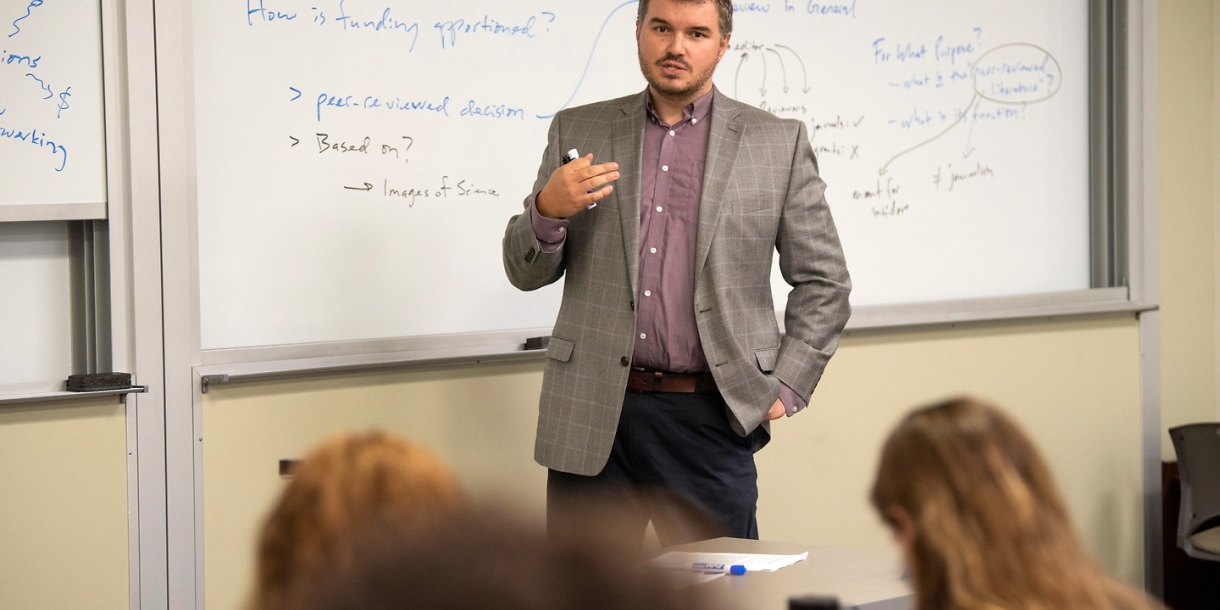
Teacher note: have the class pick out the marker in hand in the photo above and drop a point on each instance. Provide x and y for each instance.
(570, 157)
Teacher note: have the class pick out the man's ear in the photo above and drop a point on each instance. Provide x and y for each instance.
(724, 44)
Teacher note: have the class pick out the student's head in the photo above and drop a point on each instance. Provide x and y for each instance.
(483, 560)
(344, 487)
(975, 509)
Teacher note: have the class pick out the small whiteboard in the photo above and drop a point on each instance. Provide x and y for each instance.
(52, 127)
(358, 160)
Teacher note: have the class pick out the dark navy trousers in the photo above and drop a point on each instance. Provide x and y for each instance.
(680, 444)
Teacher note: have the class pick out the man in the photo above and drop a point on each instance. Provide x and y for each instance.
(666, 361)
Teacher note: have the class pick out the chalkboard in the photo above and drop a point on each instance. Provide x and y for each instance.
(52, 129)
(357, 159)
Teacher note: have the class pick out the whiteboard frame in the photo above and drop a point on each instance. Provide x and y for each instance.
(189, 369)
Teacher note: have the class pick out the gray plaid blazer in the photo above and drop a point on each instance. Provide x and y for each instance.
(761, 193)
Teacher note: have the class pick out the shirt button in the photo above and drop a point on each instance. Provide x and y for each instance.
(664, 168)
(562, 229)
(693, 121)
(652, 250)
(658, 208)
(647, 293)
(643, 336)
(671, 132)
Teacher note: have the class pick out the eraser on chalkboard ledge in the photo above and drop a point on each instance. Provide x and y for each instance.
(96, 382)
(533, 343)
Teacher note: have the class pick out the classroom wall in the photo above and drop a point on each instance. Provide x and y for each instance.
(1187, 210)
(1074, 383)
(63, 505)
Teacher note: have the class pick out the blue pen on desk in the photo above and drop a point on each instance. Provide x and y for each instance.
(735, 569)
(570, 157)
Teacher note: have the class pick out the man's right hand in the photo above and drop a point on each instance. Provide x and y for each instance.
(575, 185)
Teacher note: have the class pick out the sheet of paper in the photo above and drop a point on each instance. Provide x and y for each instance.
(701, 561)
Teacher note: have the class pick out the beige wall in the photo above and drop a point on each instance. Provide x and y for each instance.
(1187, 208)
(1075, 384)
(63, 506)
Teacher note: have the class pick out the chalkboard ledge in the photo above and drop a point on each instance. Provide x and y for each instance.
(50, 391)
(33, 212)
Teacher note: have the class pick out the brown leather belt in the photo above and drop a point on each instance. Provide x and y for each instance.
(658, 381)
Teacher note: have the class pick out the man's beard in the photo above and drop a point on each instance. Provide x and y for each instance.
(668, 89)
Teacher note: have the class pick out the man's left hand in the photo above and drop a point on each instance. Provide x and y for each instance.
(777, 410)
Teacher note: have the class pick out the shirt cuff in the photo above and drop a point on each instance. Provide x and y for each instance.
(550, 232)
(792, 401)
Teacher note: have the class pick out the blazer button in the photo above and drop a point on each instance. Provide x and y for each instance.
(624, 361)
(632, 305)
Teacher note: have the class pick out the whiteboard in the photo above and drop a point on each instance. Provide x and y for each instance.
(36, 311)
(52, 129)
(357, 160)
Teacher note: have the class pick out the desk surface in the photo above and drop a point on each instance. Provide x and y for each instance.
(868, 579)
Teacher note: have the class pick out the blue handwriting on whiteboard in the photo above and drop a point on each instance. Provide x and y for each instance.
(449, 30)
(369, 102)
(26, 60)
(831, 8)
(751, 7)
(495, 111)
(63, 102)
(259, 7)
(886, 51)
(386, 23)
(33, 138)
(42, 85)
(28, 9)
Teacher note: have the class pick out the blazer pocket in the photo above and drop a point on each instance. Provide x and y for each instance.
(766, 357)
(559, 349)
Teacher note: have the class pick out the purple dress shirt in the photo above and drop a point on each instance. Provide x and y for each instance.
(671, 185)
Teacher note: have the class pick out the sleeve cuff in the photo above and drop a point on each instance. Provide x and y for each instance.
(792, 401)
(550, 232)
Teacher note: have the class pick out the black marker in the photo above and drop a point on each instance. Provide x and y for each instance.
(570, 157)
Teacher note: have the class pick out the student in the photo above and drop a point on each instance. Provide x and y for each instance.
(973, 507)
(488, 560)
(348, 485)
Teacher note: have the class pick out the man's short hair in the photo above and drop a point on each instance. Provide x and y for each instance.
(724, 7)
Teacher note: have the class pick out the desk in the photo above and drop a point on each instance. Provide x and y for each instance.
(868, 579)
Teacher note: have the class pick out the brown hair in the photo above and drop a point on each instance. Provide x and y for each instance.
(490, 560)
(723, 7)
(989, 528)
(347, 485)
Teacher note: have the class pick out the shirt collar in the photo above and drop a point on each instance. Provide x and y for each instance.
(697, 109)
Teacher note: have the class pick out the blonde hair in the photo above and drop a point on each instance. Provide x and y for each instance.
(989, 528)
(348, 485)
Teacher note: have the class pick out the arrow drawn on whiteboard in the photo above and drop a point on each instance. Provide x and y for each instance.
(969, 150)
(297, 92)
(367, 187)
(737, 76)
(294, 141)
(783, 71)
(589, 61)
(965, 113)
(804, 74)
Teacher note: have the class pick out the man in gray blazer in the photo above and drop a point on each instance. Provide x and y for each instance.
(666, 362)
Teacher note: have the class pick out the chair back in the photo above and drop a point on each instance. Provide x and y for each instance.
(1198, 450)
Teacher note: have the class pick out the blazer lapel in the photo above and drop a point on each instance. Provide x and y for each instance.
(627, 148)
(722, 145)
